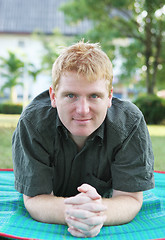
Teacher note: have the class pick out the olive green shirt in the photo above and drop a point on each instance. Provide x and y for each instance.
(118, 155)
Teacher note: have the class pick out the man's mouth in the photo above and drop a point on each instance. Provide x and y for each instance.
(83, 120)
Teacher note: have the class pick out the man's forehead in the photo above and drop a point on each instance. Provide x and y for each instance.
(78, 76)
(81, 78)
(72, 82)
(93, 87)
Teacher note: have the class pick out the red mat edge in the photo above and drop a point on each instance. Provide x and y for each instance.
(6, 169)
(163, 173)
(15, 237)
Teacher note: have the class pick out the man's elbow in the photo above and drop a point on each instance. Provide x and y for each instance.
(29, 203)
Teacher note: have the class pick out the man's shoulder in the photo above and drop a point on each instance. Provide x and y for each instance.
(125, 107)
(123, 115)
(39, 112)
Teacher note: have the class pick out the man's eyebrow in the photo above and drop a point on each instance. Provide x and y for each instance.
(68, 92)
(99, 93)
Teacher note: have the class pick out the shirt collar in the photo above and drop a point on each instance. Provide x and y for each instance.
(98, 133)
(61, 128)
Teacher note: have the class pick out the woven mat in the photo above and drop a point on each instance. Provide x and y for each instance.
(15, 221)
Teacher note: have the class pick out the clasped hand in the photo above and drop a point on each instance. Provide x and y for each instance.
(85, 213)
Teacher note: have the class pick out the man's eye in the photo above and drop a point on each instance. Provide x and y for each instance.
(94, 96)
(70, 95)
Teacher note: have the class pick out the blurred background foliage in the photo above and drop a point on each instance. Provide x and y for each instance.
(141, 23)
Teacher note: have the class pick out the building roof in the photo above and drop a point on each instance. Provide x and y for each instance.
(26, 16)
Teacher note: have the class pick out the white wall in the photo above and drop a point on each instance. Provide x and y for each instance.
(31, 48)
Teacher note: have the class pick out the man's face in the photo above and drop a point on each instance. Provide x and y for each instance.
(81, 105)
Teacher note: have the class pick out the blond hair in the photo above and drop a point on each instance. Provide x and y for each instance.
(85, 58)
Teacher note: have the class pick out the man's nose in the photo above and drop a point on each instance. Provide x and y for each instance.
(82, 106)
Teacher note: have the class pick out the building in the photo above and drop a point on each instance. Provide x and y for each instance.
(18, 20)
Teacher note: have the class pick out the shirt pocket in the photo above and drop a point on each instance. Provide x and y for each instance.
(102, 187)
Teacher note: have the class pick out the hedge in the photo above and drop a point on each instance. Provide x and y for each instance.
(152, 107)
(11, 108)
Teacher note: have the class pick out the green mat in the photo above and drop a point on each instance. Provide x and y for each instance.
(15, 221)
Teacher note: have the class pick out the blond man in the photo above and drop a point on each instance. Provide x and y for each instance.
(82, 157)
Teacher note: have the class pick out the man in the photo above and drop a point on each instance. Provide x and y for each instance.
(81, 157)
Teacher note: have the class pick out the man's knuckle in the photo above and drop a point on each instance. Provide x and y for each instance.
(93, 208)
(94, 231)
(91, 222)
(86, 215)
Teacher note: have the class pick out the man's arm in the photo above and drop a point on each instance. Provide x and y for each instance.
(122, 207)
(46, 208)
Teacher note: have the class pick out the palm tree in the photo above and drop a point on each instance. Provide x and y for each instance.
(33, 71)
(29, 70)
(12, 68)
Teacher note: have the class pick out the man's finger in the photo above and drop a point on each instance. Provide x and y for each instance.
(77, 224)
(76, 233)
(85, 233)
(94, 231)
(79, 213)
(86, 224)
(90, 191)
(94, 221)
(78, 199)
(92, 207)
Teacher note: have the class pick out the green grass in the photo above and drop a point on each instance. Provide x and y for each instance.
(157, 133)
(8, 124)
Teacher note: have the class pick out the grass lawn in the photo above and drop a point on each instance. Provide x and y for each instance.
(157, 133)
(8, 124)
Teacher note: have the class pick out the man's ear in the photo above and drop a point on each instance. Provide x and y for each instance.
(110, 98)
(52, 97)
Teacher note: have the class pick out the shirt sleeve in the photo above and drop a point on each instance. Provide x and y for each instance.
(133, 165)
(31, 161)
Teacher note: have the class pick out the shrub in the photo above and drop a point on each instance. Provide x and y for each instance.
(152, 107)
(11, 108)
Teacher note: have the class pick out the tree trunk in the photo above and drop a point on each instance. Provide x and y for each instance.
(148, 55)
(148, 44)
(13, 95)
(157, 55)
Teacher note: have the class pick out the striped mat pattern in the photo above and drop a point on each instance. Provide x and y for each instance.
(15, 222)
